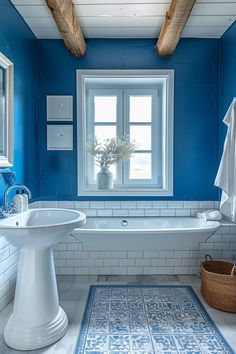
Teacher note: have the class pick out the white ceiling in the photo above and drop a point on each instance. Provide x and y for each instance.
(129, 18)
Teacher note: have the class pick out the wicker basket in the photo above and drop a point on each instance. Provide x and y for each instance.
(219, 284)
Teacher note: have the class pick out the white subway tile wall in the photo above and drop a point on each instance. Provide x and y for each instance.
(70, 258)
(9, 256)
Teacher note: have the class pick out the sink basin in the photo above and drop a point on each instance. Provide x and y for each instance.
(37, 319)
(37, 228)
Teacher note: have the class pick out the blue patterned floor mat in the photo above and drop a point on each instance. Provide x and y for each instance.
(147, 320)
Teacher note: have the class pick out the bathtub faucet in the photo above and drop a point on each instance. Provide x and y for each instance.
(7, 208)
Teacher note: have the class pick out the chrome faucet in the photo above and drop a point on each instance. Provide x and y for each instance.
(6, 209)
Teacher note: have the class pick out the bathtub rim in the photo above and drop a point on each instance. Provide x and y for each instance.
(141, 240)
(211, 225)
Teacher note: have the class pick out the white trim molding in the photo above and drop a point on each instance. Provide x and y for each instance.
(6, 160)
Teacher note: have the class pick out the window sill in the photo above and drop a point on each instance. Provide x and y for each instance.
(127, 192)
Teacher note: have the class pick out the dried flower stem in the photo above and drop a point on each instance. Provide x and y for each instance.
(111, 151)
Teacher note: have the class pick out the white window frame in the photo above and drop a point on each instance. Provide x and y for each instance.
(7, 160)
(167, 133)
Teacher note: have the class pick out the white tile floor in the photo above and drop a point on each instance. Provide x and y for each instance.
(73, 292)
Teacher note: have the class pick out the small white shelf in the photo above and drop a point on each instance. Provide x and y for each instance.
(59, 108)
(59, 137)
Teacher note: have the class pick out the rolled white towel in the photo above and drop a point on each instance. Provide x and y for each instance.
(200, 216)
(210, 215)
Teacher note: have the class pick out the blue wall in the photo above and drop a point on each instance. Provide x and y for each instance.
(227, 90)
(45, 67)
(196, 109)
(19, 44)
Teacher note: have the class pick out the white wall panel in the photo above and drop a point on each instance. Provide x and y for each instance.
(129, 18)
(203, 32)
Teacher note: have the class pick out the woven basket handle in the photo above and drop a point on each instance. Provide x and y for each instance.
(208, 258)
(233, 271)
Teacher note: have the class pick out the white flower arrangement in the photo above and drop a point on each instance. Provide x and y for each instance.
(111, 151)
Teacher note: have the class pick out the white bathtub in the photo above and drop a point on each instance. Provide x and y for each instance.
(163, 233)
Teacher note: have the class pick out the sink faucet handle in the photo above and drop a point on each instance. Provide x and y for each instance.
(5, 212)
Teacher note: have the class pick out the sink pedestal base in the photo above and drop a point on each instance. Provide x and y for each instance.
(21, 337)
(37, 320)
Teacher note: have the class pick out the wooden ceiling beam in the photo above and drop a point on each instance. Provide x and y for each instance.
(63, 12)
(176, 19)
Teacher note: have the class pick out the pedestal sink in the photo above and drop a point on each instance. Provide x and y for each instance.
(37, 318)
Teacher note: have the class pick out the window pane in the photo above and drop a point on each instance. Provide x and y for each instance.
(142, 135)
(141, 166)
(105, 108)
(140, 108)
(103, 132)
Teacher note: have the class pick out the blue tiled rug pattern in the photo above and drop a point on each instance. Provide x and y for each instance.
(147, 320)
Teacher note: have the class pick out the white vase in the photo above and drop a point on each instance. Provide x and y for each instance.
(104, 179)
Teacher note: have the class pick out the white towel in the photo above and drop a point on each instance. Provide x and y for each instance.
(226, 175)
(210, 215)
